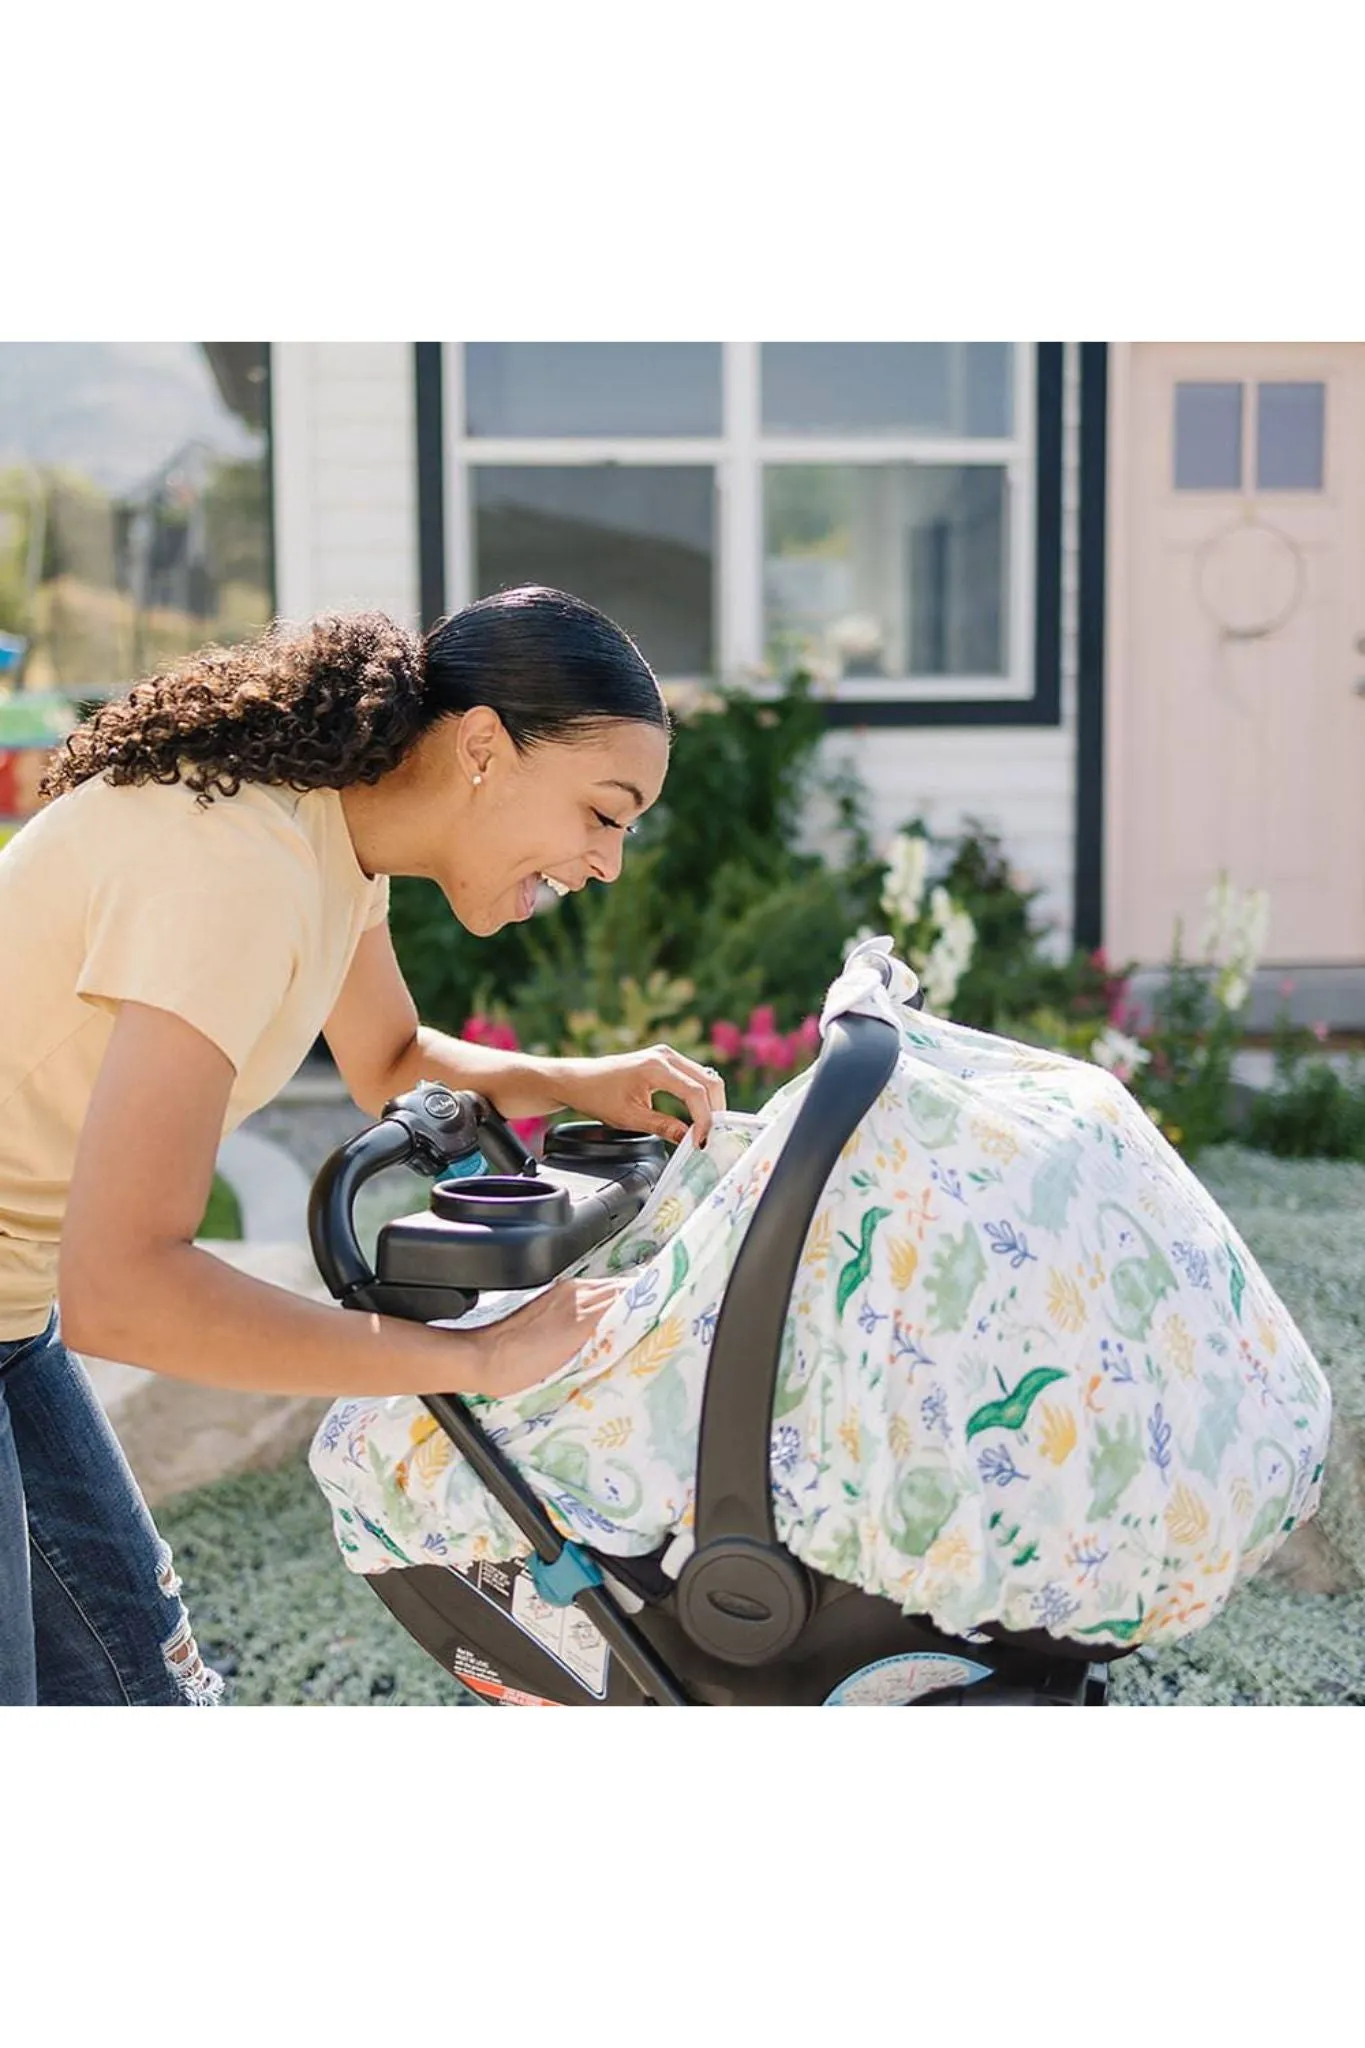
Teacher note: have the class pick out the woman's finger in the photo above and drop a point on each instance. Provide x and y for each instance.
(700, 1088)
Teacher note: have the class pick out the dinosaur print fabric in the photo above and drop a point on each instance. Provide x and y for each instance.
(1030, 1373)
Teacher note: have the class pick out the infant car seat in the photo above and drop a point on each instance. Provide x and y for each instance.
(744, 1623)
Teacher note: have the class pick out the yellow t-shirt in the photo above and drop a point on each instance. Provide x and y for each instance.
(241, 916)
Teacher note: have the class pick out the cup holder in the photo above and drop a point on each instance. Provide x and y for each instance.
(591, 1147)
(500, 1199)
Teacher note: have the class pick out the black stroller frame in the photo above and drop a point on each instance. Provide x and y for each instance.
(745, 1622)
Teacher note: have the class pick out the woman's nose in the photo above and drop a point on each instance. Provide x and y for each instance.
(605, 860)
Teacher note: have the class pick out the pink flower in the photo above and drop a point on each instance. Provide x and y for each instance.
(1287, 986)
(727, 1040)
(768, 1049)
(805, 1040)
(1321, 1032)
(481, 1030)
(530, 1129)
(763, 1019)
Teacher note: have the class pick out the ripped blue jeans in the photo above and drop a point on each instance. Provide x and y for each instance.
(90, 1613)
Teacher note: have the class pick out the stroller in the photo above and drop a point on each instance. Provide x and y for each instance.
(744, 1623)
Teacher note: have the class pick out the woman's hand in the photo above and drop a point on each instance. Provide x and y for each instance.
(620, 1088)
(537, 1340)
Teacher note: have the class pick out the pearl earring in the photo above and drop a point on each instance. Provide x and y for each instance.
(476, 780)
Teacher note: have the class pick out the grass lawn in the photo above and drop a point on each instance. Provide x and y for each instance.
(276, 1611)
(223, 1217)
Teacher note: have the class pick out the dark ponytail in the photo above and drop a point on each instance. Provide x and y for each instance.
(343, 701)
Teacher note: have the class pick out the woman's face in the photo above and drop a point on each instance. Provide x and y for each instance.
(508, 821)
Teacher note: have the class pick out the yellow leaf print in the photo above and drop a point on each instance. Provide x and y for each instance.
(949, 1553)
(850, 1436)
(1178, 1345)
(612, 1435)
(1267, 1337)
(818, 1243)
(1242, 1498)
(904, 1262)
(900, 1152)
(1058, 1439)
(669, 1217)
(898, 1436)
(654, 1350)
(1187, 1518)
(850, 1150)
(996, 1139)
(432, 1456)
(1065, 1303)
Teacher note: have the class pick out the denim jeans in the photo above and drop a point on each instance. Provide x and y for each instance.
(90, 1613)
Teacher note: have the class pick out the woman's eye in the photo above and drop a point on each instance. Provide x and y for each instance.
(612, 824)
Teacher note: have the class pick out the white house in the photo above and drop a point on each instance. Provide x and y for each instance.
(1106, 598)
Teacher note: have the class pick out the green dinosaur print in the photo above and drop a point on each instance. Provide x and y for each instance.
(1274, 1511)
(1217, 1424)
(1115, 1461)
(679, 1274)
(567, 1462)
(959, 1268)
(1123, 1631)
(923, 1502)
(1137, 1284)
(855, 1274)
(1012, 1411)
(1054, 1186)
(932, 1114)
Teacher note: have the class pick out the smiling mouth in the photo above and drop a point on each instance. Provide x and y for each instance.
(553, 882)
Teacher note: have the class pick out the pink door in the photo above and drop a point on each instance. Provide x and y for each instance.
(1235, 729)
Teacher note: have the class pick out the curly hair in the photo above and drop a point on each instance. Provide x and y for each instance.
(343, 700)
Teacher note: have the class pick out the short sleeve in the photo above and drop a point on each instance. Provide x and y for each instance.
(378, 912)
(208, 921)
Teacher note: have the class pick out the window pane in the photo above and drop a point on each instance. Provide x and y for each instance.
(892, 571)
(1208, 437)
(637, 543)
(134, 503)
(592, 387)
(1289, 421)
(905, 387)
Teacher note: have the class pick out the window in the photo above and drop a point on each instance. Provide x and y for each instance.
(1289, 433)
(134, 504)
(1208, 437)
(862, 509)
(1286, 424)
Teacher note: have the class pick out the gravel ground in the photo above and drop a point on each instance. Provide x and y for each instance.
(278, 1614)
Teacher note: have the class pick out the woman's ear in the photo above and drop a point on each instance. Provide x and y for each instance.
(479, 740)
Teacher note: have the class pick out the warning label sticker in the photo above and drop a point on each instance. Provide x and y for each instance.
(482, 1678)
(564, 1633)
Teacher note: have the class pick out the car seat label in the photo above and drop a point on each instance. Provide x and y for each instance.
(900, 1681)
(564, 1632)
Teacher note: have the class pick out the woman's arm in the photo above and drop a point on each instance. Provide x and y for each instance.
(381, 1051)
(134, 1287)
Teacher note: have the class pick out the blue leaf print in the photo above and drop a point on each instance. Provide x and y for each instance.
(1194, 1262)
(1115, 1362)
(997, 1467)
(869, 1317)
(1159, 1430)
(642, 1291)
(934, 1411)
(785, 1449)
(435, 1542)
(949, 1179)
(704, 1325)
(903, 1344)
(1012, 1243)
(1054, 1605)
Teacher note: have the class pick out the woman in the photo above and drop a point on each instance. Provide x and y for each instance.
(206, 894)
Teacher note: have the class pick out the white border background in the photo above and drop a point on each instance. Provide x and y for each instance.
(623, 172)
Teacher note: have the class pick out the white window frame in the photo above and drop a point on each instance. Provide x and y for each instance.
(738, 456)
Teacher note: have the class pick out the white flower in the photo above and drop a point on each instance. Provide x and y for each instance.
(1217, 915)
(941, 907)
(1119, 1053)
(1231, 988)
(903, 887)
